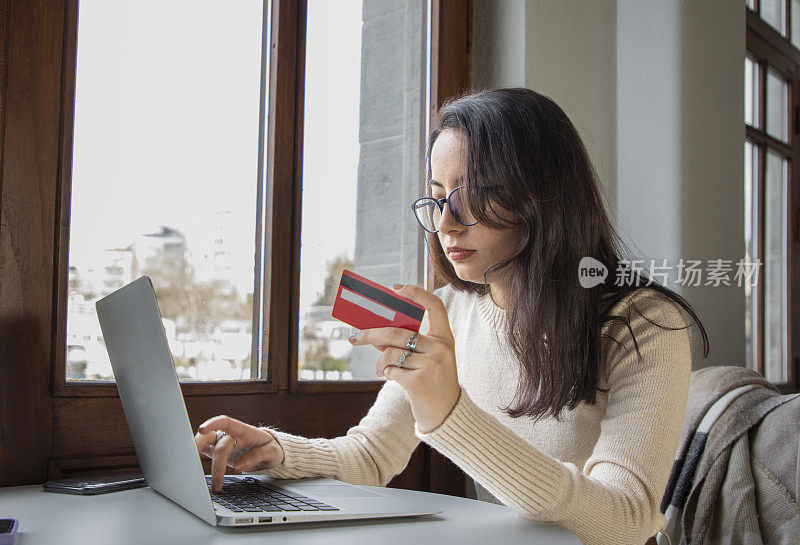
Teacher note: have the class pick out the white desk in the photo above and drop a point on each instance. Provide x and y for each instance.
(142, 516)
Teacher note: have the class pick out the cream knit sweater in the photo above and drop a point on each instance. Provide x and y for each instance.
(600, 471)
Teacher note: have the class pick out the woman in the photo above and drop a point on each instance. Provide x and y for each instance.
(563, 402)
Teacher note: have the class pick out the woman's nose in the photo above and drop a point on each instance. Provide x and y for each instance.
(448, 222)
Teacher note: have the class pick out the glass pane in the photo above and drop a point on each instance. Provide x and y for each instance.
(775, 267)
(751, 4)
(751, 89)
(751, 251)
(774, 13)
(795, 12)
(777, 106)
(362, 167)
(164, 177)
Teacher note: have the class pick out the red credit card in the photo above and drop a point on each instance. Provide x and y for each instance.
(365, 304)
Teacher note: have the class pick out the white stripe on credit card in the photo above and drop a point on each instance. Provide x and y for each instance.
(368, 304)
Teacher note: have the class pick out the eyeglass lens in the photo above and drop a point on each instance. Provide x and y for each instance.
(429, 211)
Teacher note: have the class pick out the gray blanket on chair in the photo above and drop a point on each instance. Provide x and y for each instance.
(736, 478)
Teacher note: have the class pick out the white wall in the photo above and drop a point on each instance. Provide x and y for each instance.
(712, 138)
(519, 43)
(498, 44)
(570, 57)
(655, 88)
(680, 142)
(649, 101)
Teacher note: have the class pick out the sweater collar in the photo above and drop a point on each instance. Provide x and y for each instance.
(490, 312)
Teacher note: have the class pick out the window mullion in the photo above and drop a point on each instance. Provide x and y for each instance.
(284, 149)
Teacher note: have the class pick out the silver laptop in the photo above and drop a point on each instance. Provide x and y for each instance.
(164, 441)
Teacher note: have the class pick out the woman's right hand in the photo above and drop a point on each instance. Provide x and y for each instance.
(243, 447)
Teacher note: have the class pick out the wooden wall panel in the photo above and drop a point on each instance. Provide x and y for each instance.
(30, 152)
(4, 13)
(106, 443)
(299, 414)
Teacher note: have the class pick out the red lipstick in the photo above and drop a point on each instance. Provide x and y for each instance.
(456, 253)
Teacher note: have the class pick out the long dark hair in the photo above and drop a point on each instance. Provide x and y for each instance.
(525, 155)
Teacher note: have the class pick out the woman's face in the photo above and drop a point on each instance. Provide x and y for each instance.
(471, 249)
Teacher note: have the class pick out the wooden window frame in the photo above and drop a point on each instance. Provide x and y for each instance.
(56, 428)
(770, 49)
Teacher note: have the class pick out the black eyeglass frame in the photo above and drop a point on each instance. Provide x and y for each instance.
(440, 203)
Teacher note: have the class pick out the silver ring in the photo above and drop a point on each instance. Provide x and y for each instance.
(220, 434)
(412, 341)
(403, 357)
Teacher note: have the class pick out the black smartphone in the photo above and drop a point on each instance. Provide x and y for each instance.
(90, 486)
(8, 531)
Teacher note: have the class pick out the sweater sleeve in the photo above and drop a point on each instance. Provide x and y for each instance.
(371, 453)
(615, 497)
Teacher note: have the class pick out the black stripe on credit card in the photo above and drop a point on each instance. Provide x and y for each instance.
(393, 302)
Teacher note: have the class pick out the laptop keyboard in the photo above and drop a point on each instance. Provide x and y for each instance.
(255, 496)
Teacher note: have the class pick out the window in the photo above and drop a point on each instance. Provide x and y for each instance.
(165, 118)
(68, 426)
(771, 176)
(363, 155)
(774, 13)
(143, 129)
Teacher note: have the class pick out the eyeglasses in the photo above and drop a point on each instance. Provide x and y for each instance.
(428, 210)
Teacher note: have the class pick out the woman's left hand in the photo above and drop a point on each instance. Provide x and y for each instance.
(429, 374)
